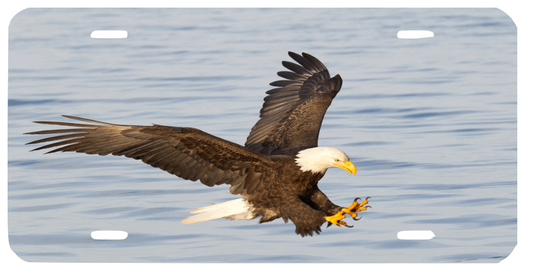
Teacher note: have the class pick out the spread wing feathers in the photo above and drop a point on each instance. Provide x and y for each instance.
(292, 113)
(188, 153)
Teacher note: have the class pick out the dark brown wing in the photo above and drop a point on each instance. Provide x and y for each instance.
(188, 153)
(292, 113)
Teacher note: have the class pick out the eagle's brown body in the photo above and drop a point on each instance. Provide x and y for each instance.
(264, 171)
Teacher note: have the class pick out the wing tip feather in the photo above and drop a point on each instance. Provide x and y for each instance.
(309, 77)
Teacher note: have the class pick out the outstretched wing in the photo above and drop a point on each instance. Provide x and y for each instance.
(188, 153)
(292, 113)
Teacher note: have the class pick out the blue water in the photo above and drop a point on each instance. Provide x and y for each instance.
(429, 123)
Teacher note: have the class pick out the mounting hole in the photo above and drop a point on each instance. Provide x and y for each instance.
(109, 235)
(109, 34)
(415, 235)
(414, 34)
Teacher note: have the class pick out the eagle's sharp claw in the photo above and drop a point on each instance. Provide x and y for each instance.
(351, 210)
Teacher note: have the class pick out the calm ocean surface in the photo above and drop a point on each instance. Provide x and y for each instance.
(429, 123)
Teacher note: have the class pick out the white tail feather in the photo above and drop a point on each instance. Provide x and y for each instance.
(238, 209)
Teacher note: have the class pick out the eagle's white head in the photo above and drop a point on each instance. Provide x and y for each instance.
(319, 159)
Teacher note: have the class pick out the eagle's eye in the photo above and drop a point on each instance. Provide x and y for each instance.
(337, 160)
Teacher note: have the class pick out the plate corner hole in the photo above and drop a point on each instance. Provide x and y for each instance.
(109, 235)
(414, 34)
(416, 235)
(109, 34)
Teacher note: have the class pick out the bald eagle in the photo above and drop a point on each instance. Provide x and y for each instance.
(276, 171)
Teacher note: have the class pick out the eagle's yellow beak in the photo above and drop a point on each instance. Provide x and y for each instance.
(348, 166)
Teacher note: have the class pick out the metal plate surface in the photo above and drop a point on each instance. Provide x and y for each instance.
(430, 123)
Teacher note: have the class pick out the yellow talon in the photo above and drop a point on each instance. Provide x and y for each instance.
(346, 210)
(356, 207)
(336, 219)
(351, 210)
